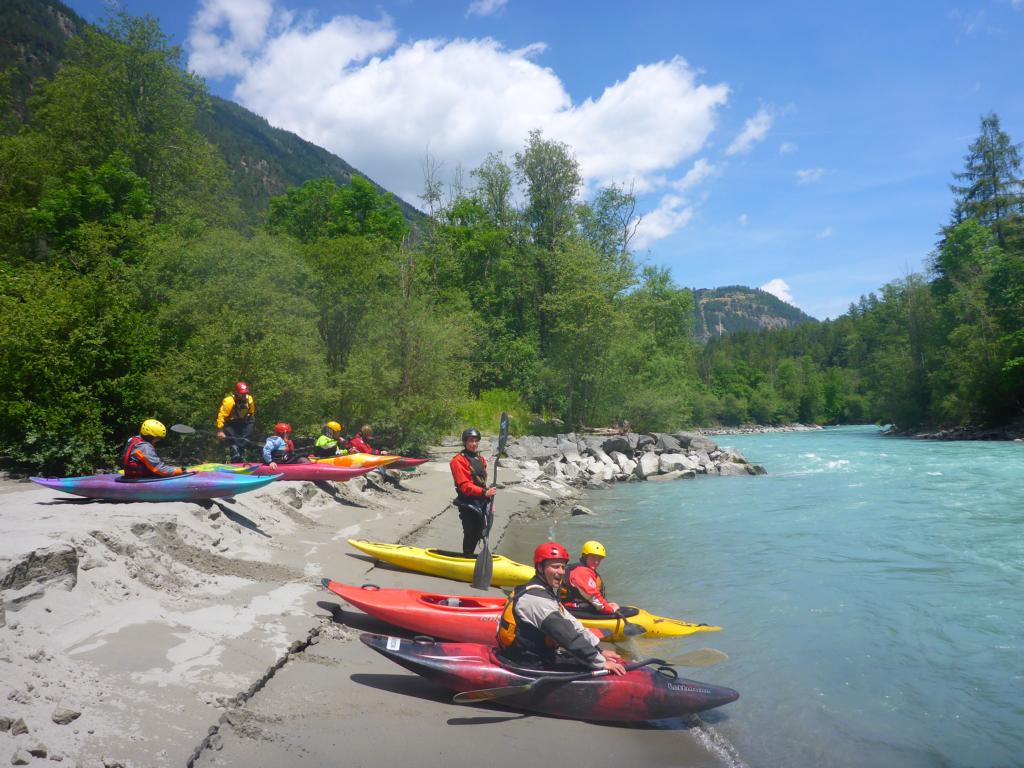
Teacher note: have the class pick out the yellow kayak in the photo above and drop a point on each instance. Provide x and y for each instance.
(360, 460)
(448, 565)
(656, 626)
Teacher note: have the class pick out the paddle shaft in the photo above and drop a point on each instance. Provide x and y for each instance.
(484, 568)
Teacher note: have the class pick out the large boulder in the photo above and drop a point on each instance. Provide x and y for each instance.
(644, 443)
(571, 471)
(673, 462)
(733, 469)
(695, 442)
(666, 443)
(619, 444)
(568, 448)
(647, 465)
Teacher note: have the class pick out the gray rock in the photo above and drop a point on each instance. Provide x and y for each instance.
(756, 469)
(674, 462)
(646, 466)
(732, 469)
(552, 468)
(21, 757)
(5, 724)
(112, 762)
(63, 715)
(644, 443)
(621, 459)
(37, 750)
(19, 727)
(666, 443)
(56, 757)
(695, 442)
(579, 509)
(618, 444)
(571, 471)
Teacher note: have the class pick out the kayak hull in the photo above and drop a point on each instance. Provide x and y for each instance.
(448, 565)
(640, 695)
(365, 460)
(311, 471)
(472, 619)
(191, 487)
(407, 462)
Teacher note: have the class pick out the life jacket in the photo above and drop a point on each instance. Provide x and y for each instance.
(569, 595)
(477, 470)
(283, 455)
(524, 643)
(240, 411)
(132, 466)
(326, 446)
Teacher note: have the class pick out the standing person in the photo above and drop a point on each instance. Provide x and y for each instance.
(582, 589)
(359, 444)
(536, 630)
(279, 448)
(469, 471)
(236, 420)
(329, 442)
(139, 458)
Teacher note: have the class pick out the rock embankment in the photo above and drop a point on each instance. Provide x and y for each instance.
(594, 461)
(759, 429)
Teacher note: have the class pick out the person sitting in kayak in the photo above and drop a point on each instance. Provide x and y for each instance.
(582, 589)
(359, 444)
(469, 471)
(236, 420)
(536, 630)
(279, 448)
(139, 458)
(329, 442)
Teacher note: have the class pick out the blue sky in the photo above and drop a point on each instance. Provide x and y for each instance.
(803, 146)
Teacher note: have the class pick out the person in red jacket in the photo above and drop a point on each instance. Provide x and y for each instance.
(582, 589)
(469, 471)
(359, 444)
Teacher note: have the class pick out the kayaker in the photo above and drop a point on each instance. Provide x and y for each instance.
(279, 448)
(536, 630)
(139, 458)
(329, 442)
(236, 420)
(359, 442)
(582, 589)
(469, 471)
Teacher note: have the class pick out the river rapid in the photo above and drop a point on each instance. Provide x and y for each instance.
(870, 590)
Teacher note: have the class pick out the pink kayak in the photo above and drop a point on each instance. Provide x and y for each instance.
(311, 471)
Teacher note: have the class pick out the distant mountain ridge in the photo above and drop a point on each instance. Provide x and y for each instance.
(263, 161)
(739, 308)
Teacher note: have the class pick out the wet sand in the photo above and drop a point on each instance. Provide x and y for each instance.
(162, 622)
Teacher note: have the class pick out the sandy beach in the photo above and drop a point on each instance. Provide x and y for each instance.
(187, 634)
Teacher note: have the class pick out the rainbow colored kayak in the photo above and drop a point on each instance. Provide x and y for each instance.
(367, 460)
(197, 486)
(213, 466)
(311, 471)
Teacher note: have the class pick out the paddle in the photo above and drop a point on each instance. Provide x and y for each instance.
(629, 629)
(484, 565)
(489, 694)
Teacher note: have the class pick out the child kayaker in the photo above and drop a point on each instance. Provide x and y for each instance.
(279, 448)
(582, 589)
(139, 458)
(360, 441)
(329, 442)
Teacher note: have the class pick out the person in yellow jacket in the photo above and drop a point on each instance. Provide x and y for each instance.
(236, 420)
(330, 441)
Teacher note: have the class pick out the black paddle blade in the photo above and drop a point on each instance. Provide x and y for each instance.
(182, 429)
(632, 630)
(484, 567)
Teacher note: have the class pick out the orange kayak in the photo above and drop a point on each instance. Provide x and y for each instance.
(365, 460)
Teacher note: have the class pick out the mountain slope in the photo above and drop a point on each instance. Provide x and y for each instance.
(263, 160)
(739, 308)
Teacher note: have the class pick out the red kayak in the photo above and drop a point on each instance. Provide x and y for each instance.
(642, 694)
(405, 462)
(311, 471)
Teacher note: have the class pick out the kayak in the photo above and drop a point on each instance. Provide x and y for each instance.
(309, 471)
(448, 565)
(196, 486)
(640, 695)
(367, 460)
(407, 462)
(212, 466)
(475, 619)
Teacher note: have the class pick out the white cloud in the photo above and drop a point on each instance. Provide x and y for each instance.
(698, 172)
(743, 219)
(809, 175)
(246, 22)
(787, 147)
(672, 214)
(349, 86)
(754, 130)
(779, 288)
(485, 7)
(826, 232)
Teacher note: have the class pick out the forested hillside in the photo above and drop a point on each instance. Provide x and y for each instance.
(734, 308)
(134, 285)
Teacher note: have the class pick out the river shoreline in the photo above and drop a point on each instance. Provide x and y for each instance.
(163, 634)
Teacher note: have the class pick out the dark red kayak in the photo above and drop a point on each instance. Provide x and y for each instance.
(640, 695)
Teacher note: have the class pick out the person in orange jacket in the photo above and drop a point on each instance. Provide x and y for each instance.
(582, 589)
(469, 471)
(139, 458)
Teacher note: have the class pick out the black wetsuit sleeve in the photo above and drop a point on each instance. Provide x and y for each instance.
(562, 631)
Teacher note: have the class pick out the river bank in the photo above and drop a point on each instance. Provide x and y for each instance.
(170, 634)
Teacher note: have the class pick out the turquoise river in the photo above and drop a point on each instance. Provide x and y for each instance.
(871, 591)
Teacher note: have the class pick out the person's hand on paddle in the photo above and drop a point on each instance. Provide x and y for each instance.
(489, 493)
(272, 466)
(613, 606)
(615, 667)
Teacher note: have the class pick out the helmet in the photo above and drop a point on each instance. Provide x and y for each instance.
(333, 425)
(282, 428)
(470, 434)
(241, 388)
(153, 428)
(593, 548)
(549, 550)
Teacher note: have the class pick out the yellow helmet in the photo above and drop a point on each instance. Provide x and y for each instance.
(593, 548)
(153, 428)
(333, 425)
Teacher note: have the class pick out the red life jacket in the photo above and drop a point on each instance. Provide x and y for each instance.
(132, 466)
(570, 596)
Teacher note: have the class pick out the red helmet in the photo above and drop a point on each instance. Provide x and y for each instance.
(241, 388)
(282, 428)
(549, 550)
